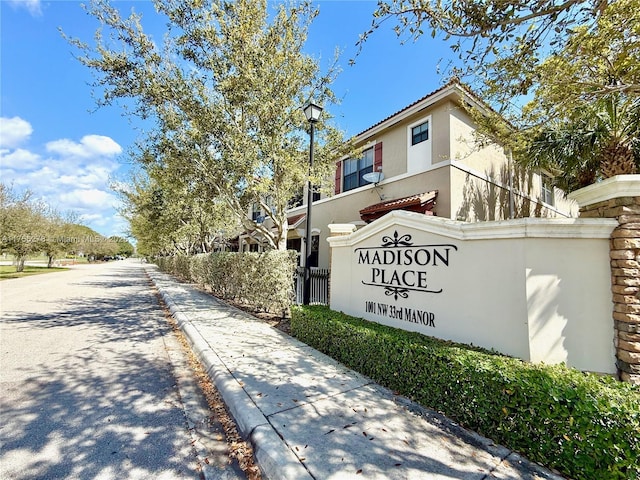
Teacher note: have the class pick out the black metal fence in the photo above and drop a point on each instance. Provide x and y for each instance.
(319, 286)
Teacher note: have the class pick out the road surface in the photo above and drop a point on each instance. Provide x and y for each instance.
(92, 382)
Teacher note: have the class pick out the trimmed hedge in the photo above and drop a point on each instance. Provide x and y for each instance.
(263, 281)
(585, 426)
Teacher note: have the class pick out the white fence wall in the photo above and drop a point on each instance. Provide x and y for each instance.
(538, 289)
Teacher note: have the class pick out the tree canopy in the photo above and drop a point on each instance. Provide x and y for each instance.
(557, 74)
(501, 45)
(29, 226)
(166, 217)
(226, 92)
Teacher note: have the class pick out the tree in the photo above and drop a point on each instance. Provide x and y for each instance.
(52, 244)
(502, 44)
(30, 227)
(82, 240)
(22, 223)
(144, 209)
(226, 93)
(166, 218)
(597, 60)
(602, 142)
(124, 247)
(577, 64)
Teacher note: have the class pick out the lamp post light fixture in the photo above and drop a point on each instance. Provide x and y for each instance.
(312, 112)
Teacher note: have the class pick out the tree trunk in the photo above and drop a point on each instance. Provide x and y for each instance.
(282, 242)
(617, 159)
(50, 262)
(20, 264)
(283, 231)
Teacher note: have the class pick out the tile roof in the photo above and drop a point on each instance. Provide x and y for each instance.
(401, 203)
(453, 82)
(293, 221)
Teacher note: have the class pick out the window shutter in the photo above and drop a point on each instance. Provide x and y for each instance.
(377, 157)
(338, 177)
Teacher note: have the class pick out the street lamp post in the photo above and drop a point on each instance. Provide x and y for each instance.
(312, 112)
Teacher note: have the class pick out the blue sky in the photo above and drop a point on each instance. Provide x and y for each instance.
(56, 143)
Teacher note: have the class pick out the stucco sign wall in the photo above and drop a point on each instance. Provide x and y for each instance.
(402, 268)
(533, 288)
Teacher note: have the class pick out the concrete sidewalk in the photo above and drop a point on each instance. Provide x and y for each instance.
(309, 417)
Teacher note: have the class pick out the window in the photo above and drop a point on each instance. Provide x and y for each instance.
(315, 247)
(256, 213)
(355, 168)
(420, 133)
(295, 244)
(296, 200)
(419, 145)
(300, 198)
(547, 190)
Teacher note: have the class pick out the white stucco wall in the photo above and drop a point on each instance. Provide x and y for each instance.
(538, 289)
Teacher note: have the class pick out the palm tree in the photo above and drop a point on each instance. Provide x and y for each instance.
(600, 141)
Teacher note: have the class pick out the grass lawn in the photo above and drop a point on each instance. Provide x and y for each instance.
(9, 271)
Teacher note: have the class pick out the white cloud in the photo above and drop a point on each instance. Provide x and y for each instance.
(88, 199)
(19, 159)
(70, 177)
(32, 6)
(93, 218)
(89, 146)
(40, 179)
(84, 177)
(14, 131)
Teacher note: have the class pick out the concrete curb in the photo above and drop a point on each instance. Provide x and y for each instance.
(276, 455)
(275, 459)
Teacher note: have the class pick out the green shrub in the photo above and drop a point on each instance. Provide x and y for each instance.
(584, 425)
(262, 280)
(177, 265)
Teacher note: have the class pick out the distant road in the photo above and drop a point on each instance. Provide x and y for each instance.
(87, 387)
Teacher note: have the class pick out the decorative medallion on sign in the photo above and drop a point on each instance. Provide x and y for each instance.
(395, 291)
(404, 240)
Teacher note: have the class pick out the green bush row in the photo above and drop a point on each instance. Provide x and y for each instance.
(585, 426)
(263, 281)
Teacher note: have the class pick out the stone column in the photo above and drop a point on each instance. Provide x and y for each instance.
(619, 198)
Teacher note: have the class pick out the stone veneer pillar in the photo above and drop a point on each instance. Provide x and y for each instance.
(619, 198)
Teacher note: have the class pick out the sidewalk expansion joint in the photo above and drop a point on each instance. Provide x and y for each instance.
(495, 468)
(291, 449)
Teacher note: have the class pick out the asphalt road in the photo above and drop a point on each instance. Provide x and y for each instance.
(93, 383)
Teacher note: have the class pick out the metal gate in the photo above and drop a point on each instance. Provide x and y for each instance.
(319, 286)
